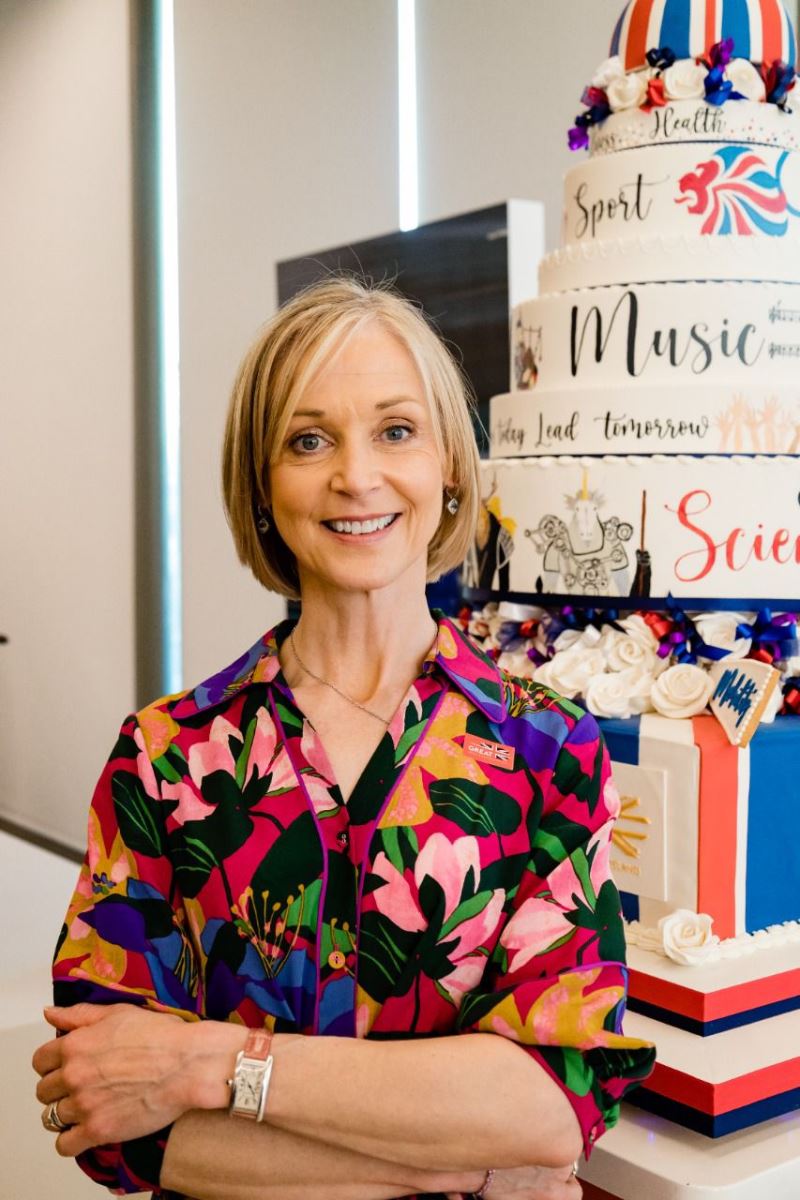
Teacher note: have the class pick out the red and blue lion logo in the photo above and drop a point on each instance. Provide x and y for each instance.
(737, 193)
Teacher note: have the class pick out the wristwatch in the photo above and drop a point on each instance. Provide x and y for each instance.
(251, 1074)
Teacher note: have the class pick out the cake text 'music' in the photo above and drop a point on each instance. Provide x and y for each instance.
(696, 344)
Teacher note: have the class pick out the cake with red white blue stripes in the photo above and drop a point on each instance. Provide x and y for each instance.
(761, 29)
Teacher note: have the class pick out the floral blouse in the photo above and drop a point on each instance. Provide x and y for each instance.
(463, 887)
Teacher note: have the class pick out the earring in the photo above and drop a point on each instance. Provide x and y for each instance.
(262, 524)
(453, 505)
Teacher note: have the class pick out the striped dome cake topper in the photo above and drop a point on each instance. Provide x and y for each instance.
(761, 29)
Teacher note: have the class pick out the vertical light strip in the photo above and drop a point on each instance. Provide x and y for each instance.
(408, 176)
(169, 337)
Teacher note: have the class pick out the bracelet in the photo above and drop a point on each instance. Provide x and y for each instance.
(485, 1185)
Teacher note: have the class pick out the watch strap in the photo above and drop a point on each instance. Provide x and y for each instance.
(258, 1044)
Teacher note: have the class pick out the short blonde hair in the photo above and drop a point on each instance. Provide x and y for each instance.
(289, 351)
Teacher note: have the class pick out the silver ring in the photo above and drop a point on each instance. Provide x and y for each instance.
(52, 1121)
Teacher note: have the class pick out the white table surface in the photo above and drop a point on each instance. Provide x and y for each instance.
(646, 1157)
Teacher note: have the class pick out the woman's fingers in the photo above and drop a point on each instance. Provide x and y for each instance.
(73, 1141)
(51, 1087)
(47, 1057)
(117, 1072)
(77, 1015)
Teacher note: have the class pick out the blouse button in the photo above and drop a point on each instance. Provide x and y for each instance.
(336, 960)
(343, 838)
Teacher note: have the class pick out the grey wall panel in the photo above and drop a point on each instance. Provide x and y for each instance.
(66, 530)
(287, 119)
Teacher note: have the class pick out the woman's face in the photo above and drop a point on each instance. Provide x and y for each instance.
(360, 449)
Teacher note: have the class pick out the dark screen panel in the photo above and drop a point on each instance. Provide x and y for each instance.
(457, 269)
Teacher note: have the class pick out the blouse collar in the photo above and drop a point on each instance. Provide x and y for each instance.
(453, 653)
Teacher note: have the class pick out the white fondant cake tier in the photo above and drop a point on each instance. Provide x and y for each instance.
(670, 258)
(734, 334)
(696, 528)
(697, 418)
(696, 121)
(679, 212)
(679, 189)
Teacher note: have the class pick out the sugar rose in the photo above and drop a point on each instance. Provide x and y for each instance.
(626, 652)
(637, 628)
(685, 80)
(686, 937)
(516, 662)
(566, 640)
(570, 671)
(607, 696)
(638, 682)
(718, 629)
(746, 79)
(609, 70)
(682, 691)
(627, 91)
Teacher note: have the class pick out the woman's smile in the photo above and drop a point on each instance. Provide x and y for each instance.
(364, 529)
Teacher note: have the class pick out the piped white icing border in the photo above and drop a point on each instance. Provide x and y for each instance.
(774, 936)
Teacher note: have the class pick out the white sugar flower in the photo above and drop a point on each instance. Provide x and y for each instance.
(626, 652)
(606, 695)
(570, 671)
(685, 80)
(686, 937)
(746, 79)
(682, 691)
(516, 662)
(718, 629)
(637, 628)
(609, 70)
(638, 682)
(627, 91)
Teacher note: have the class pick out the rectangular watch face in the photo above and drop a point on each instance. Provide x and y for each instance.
(249, 1081)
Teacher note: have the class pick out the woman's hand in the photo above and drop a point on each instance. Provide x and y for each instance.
(118, 1072)
(531, 1183)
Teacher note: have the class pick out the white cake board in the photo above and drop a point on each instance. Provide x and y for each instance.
(646, 1157)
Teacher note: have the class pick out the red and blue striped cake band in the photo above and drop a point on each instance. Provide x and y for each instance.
(761, 29)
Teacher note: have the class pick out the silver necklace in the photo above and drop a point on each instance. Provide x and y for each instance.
(333, 686)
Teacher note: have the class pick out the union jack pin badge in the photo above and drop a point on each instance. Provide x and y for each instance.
(493, 753)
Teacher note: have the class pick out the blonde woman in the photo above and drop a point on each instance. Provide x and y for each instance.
(355, 886)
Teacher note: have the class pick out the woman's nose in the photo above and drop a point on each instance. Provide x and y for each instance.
(356, 469)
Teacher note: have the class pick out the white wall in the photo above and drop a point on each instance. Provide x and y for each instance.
(286, 125)
(499, 86)
(66, 535)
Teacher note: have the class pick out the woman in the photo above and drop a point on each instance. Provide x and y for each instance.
(361, 829)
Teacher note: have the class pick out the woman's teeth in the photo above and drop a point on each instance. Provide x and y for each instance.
(361, 526)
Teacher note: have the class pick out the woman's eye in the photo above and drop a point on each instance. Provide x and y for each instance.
(306, 443)
(396, 433)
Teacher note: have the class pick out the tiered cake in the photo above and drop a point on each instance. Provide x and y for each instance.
(647, 459)
(666, 340)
